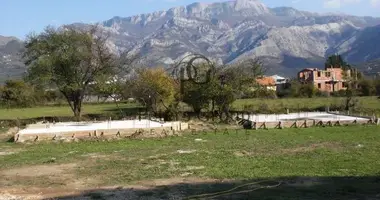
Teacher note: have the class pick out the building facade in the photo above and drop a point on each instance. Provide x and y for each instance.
(281, 82)
(267, 82)
(328, 80)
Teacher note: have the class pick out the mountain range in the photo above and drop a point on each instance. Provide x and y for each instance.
(284, 38)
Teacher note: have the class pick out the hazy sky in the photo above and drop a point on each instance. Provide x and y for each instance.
(19, 17)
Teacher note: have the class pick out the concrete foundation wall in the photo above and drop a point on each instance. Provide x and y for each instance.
(307, 124)
(168, 129)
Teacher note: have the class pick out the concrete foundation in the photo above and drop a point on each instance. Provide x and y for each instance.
(318, 116)
(303, 120)
(107, 129)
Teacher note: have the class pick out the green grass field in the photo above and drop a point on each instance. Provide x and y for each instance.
(367, 105)
(60, 111)
(314, 153)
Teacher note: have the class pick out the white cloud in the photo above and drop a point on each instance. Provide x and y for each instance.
(340, 3)
(375, 3)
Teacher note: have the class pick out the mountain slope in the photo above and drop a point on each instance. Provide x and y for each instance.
(10, 59)
(234, 30)
(363, 46)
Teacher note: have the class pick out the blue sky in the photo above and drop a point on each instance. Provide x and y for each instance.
(20, 17)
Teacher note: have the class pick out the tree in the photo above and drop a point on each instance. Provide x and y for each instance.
(17, 93)
(110, 88)
(196, 96)
(307, 90)
(298, 89)
(154, 88)
(336, 61)
(202, 83)
(69, 60)
(223, 96)
(241, 76)
(377, 85)
(366, 87)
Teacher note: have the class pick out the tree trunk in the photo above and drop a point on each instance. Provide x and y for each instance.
(197, 112)
(77, 109)
(118, 107)
(212, 109)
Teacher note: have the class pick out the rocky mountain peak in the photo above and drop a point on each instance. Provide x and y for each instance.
(5, 39)
(255, 5)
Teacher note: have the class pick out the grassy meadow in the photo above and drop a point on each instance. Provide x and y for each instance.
(318, 154)
(61, 111)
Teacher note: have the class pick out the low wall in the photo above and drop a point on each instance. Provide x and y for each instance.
(173, 129)
(306, 123)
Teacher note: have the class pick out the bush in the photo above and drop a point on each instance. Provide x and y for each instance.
(17, 94)
(340, 93)
(264, 93)
(322, 94)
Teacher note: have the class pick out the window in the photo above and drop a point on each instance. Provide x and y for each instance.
(319, 74)
(344, 85)
(328, 74)
(319, 86)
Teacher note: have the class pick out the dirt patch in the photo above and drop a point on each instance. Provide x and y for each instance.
(49, 175)
(243, 153)
(190, 168)
(7, 196)
(40, 170)
(99, 156)
(186, 151)
(158, 156)
(133, 191)
(5, 153)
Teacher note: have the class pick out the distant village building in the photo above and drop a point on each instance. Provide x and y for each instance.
(267, 82)
(280, 82)
(329, 80)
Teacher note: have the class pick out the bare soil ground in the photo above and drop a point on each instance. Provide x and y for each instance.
(66, 185)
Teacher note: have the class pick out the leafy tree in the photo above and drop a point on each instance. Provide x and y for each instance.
(350, 102)
(223, 98)
(351, 76)
(17, 93)
(336, 61)
(69, 60)
(302, 90)
(377, 86)
(197, 96)
(110, 88)
(307, 90)
(241, 77)
(366, 87)
(154, 88)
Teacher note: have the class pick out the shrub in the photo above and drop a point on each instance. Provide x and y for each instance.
(17, 93)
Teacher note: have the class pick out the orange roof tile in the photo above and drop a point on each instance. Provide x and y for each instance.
(266, 81)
